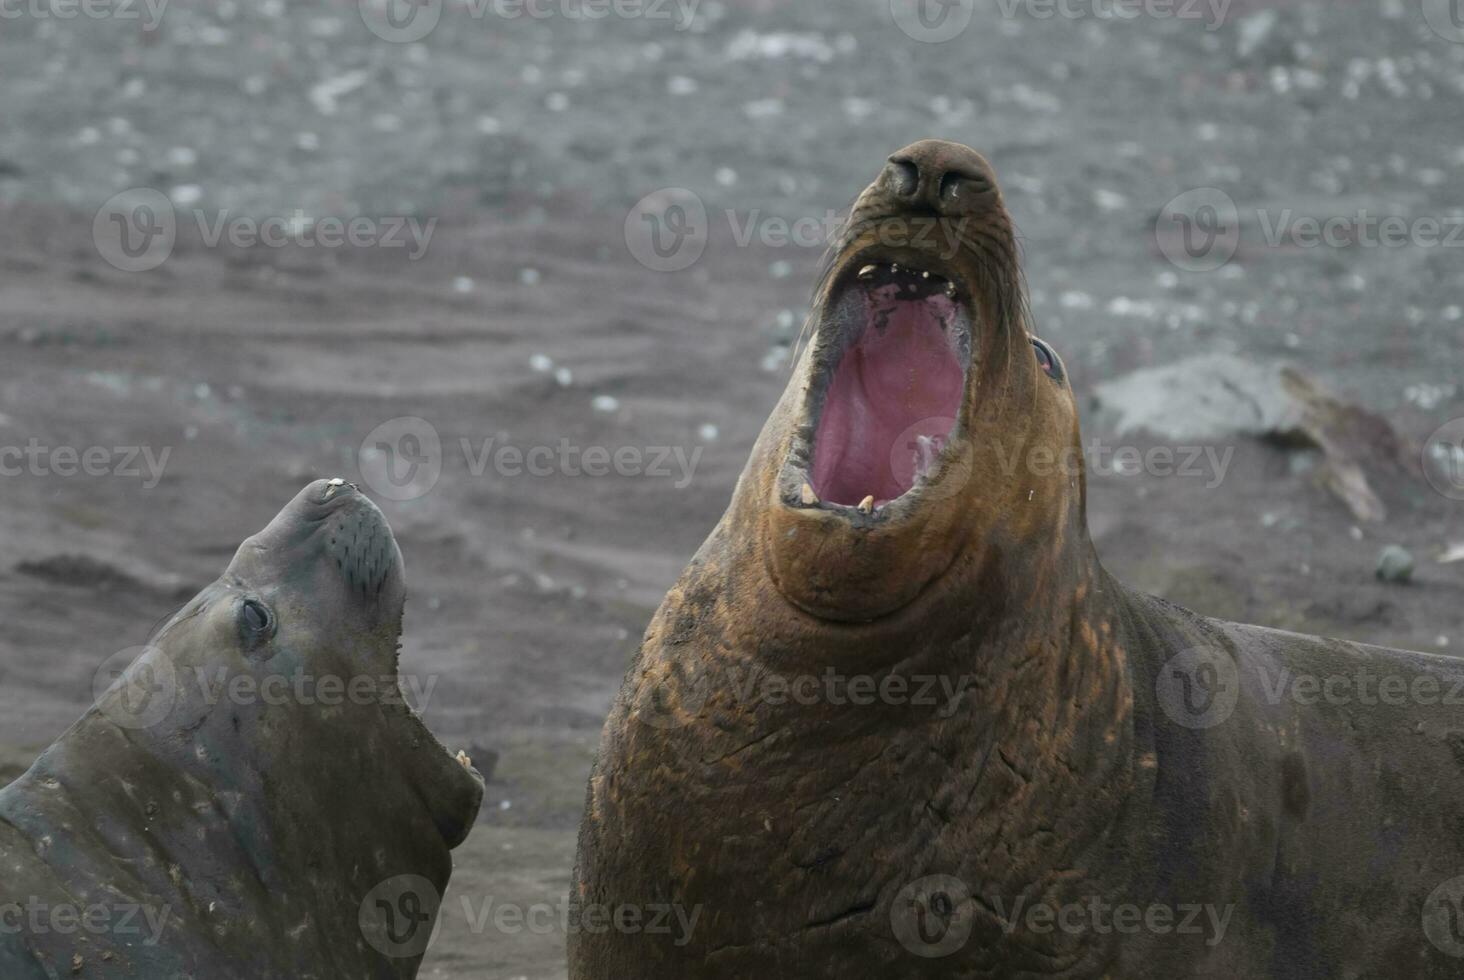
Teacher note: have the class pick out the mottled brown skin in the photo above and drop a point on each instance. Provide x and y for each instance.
(1058, 777)
(234, 834)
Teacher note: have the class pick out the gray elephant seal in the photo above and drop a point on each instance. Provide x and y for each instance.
(1095, 784)
(254, 798)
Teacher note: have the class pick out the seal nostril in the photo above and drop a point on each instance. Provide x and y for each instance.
(904, 177)
(950, 186)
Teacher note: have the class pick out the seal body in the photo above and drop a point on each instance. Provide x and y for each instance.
(920, 732)
(254, 798)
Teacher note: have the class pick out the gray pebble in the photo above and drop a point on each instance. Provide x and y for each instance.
(1395, 564)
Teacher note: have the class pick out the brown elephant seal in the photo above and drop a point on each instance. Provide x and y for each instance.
(254, 798)
(1094, 784)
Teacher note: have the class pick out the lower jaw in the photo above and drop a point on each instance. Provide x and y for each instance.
(862, 568)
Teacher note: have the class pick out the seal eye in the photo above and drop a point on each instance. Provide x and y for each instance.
(1047, 360)
(255, 616)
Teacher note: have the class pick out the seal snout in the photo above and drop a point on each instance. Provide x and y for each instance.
(937, 176)
(331, 520)
(359, 540)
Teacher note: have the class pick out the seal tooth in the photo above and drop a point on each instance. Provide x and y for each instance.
(950, 290)
(866, 506)
(807, 495)
(868, 272)
(924, 275)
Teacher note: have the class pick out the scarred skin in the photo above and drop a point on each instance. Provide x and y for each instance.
(1080, 767)
(224, 811)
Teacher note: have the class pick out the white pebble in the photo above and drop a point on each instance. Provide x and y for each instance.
(605, 403)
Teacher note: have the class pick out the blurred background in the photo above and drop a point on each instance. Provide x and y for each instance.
(530, 270)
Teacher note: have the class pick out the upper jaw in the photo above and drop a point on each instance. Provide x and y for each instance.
(897, 273)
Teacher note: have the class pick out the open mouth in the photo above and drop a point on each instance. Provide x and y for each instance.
(899, 342)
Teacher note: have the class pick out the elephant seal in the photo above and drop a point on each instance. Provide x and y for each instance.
(253, 798)
(1095, 784)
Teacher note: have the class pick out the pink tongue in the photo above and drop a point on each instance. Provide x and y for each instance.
(901, 380)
